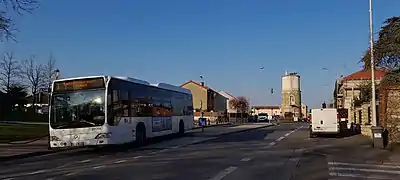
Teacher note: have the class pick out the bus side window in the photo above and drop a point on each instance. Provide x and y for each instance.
(133, 107)
(125, 103)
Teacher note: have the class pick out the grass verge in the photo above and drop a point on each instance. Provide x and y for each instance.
(21, 132)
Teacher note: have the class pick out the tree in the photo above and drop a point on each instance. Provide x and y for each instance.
(387, 47)
(10, 70)
(50, 71)
(240, 104)
(8, 8)
(35, 76)
(17, 95)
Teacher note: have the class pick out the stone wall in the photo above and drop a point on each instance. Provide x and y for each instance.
(366, 119)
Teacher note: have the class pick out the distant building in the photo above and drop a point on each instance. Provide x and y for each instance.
(206, 100)
(270, 110)
(304, 110)
(291, 95)
(228, 97)
(349, 90)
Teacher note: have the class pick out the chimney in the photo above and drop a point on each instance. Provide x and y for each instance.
(202, 83)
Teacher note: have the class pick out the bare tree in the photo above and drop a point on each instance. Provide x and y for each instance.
(50, 71)
(240, 104)
(35, 76)
(10, 71)
(8, 8)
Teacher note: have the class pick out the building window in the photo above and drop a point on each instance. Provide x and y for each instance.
(291, 100)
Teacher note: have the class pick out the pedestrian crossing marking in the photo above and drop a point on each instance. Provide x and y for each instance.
(340, 170)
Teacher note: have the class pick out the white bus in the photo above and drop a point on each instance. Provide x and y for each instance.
(107, 110)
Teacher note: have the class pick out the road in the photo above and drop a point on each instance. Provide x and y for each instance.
(279, 152)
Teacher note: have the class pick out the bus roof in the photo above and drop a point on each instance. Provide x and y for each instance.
(137, 81)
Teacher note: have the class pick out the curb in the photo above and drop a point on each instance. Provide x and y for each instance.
(214, 125)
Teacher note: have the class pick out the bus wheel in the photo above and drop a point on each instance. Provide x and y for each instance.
(181, 128)
(140, 135)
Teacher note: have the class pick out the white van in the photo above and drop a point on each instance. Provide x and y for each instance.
(324, 121)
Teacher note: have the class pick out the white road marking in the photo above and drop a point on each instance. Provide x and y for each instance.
(120, 161)
(163, 150)
(84, 161)
(224, 173)
(364, 170)
(280, 139)
(245, 159)
(136, 157)
(271, 143)
(98, 167)
(70, 174)
(360, 176)
(365, 165)
(288, 134)
(8, 179)
(36, 172)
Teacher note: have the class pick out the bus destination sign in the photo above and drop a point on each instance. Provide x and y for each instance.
(79, 84)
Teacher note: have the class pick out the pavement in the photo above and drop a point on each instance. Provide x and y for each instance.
(275, 152)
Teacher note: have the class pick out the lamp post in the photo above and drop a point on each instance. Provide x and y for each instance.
(377, 140)
(371, 41)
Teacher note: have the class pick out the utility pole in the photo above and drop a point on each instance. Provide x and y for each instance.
(377, 131)
(371, 41)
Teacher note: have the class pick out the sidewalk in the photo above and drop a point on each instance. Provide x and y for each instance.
(38, 148)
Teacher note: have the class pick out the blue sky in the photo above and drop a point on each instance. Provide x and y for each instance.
(226, 41)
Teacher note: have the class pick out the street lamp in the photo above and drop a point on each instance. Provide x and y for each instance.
(376, 130)
(371, 41)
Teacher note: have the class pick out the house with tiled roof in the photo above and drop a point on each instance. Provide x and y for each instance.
(206, 99)
(228, 97)
(349, 89)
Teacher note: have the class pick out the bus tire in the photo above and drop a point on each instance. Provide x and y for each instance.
(140, 134)
(181, 128)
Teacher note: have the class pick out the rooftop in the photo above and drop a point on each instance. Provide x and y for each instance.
(365, 74)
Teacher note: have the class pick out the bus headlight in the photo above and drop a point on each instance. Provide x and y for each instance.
(54, 138)
(103, 136)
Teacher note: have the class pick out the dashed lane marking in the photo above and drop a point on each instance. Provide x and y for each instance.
(280, 138)
(85, 161)
(245, 159)
(120, 161)
(221, 175)
(99, 167)
(36, 172)
(271, 143)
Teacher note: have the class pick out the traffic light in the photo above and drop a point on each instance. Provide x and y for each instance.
(272, 90)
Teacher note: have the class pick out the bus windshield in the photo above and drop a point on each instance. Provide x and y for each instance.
(76, 109)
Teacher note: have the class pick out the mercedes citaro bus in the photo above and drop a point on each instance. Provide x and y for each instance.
(108, 110)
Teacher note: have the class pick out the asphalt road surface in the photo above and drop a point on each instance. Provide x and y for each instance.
(280, 152)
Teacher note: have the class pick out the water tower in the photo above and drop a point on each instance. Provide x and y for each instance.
(291, 95)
